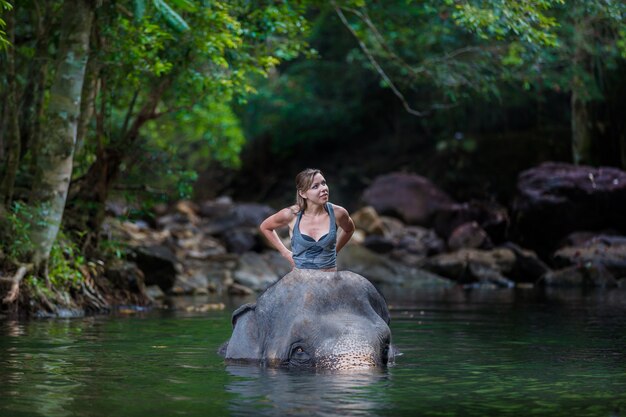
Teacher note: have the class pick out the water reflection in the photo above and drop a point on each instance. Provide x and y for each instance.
(278, 392)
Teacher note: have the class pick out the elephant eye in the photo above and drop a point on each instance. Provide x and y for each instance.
(299, 356)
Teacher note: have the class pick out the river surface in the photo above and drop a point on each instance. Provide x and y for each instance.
(464, 353)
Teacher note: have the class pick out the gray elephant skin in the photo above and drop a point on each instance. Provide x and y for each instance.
(314, 319)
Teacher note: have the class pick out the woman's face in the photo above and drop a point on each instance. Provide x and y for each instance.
(317, 192)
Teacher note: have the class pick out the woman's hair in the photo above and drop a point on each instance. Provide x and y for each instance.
(303, 182)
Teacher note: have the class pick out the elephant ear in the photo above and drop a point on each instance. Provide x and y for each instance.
(378, 302)
(244, 342)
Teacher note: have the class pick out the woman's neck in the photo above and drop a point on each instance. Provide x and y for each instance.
(314, 209)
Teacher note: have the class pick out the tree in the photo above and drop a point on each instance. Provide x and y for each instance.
(469, 48)
(158, 63)
(55, 154)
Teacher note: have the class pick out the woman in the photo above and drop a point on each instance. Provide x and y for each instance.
(318, 229)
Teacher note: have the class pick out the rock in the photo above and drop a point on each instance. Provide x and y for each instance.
(357, 238)
(579, 238)
(609, 251)
(392, 228)
(555, 199)
(420, 241)
(216, 208)
(188, 209)
(237, 289)
(368, 220)
(410, 197)
(374, 267)
(590, 275)
(490, 216)
(239, 216)
(126, 276)
(194, 283)
(254, 272)
(486, 274)
(154, 292)
(380, 269)
(277, 263)
(468, 236)
(158, 264)
(528, 267)
(241, 239)
(469, 265)
(378, 244)
(251, 214)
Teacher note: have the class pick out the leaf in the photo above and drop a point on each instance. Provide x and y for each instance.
(173, 19)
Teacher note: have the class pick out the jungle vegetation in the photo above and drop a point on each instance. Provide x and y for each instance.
(134, 98)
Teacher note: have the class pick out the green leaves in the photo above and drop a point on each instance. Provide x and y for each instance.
(5, 6)
(522, 20)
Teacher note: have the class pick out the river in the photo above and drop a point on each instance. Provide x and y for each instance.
(464, 353)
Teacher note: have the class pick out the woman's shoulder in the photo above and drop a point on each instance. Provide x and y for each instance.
(290, 212)
(338, 210)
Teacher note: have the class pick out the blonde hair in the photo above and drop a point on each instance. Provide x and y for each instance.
(304, 179)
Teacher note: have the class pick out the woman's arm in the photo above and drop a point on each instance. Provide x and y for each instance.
(346, 226)
(273, 222)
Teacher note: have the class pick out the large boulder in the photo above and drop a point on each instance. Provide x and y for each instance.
(469, 236)
(368, 220)
(468, 266)
(253, 271)
(555, 199)
(381, 269)
(492, 217)
(410, 197)
(588, 275)
(158, 264)
(609, 251)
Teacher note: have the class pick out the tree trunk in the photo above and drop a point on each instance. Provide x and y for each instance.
(581, 132)
(13, 125)
(87, 102)
(581, 126)
(55, 153)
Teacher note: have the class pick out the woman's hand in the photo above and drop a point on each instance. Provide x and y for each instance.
(289, 256)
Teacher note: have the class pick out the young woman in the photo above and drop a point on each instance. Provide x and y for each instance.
(318, 228)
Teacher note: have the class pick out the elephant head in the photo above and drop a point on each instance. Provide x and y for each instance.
(314, 319)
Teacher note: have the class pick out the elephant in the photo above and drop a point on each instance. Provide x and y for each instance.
(314, 319)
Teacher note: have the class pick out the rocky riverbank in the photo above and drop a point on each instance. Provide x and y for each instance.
(565, 228)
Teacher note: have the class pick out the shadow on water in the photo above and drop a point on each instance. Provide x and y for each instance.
(276, 392)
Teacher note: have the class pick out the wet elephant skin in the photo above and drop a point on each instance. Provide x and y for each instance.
(314, 319)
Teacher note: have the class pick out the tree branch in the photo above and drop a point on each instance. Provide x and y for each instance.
(377, 66)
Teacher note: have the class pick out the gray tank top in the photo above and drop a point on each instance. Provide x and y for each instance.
(309, 253)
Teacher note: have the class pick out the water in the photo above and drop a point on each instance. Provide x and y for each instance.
(479, 353)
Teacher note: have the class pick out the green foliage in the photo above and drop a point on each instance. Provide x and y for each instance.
(196, 58)
(112, 248)
(65, 263)
(522, 20)
(65, 258)
(5, 6)
(64, 271)
(14, 230)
